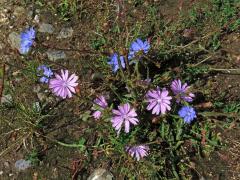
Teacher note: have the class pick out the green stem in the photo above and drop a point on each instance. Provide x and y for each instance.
(68, 145)
(228, 71)
(121, 68)
(137, 70)
(113, 90)
(156, 64)
(209, 114)
(127, 64)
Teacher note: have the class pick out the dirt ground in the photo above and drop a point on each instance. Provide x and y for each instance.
(58, 162)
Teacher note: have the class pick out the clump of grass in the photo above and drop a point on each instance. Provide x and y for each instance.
(67, 9)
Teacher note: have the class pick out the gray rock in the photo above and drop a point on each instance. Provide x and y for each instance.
(30, 14)
(19, 11)
(46, 28)
(56, 55)
(22, 164)
(14, 40)
(6, 164)
(36, 88)
(6, 99)
(65, 33)
(100, 174)
(41, 96)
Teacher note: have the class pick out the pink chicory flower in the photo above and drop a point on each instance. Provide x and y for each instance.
(159, 101)
(182, 91)
(124, 115)
(138, 152)
(97, 114)
(102, 103)
(63, 85)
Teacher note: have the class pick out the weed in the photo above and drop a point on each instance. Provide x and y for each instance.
(135, 80)
(33, 156)
(67, 8)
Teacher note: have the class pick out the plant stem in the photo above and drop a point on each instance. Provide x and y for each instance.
(209, 114)
(120, 67)
(67, 145)
(113, 90)
(127, 64)
(228, 71)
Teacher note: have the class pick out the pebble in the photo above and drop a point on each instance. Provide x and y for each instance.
(41, 96)
(6, 164)
(46, 28)
(36, 88)
(54, 55)
(100, 174)
(6, 99)
(30, 14)
(36, 18)
(14, 40)
(19, 11)
(65, 33)
(22, 164)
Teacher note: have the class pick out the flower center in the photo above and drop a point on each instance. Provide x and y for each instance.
(188, 113)
(125, 116)
(65, 84)
(159, 101)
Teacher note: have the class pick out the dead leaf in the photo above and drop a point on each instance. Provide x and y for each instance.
(205, 105)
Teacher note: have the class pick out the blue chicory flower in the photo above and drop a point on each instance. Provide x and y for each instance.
(46, 72)
(27, 39)
(187, 113)
(138, 46)
(114, 62)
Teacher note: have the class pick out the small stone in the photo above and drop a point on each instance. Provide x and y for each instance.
(65, 33)
(6, 164)
(41, 96)
(97, 76)
(22, 164)
(36, 18)
(14, 40)
(1, 173)
(37, 11)
(55, 173)
(30, 14)
(36, 88)
(100, 174)
(6, 99)
(56, 55)
(19, 11)
(46, 28)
